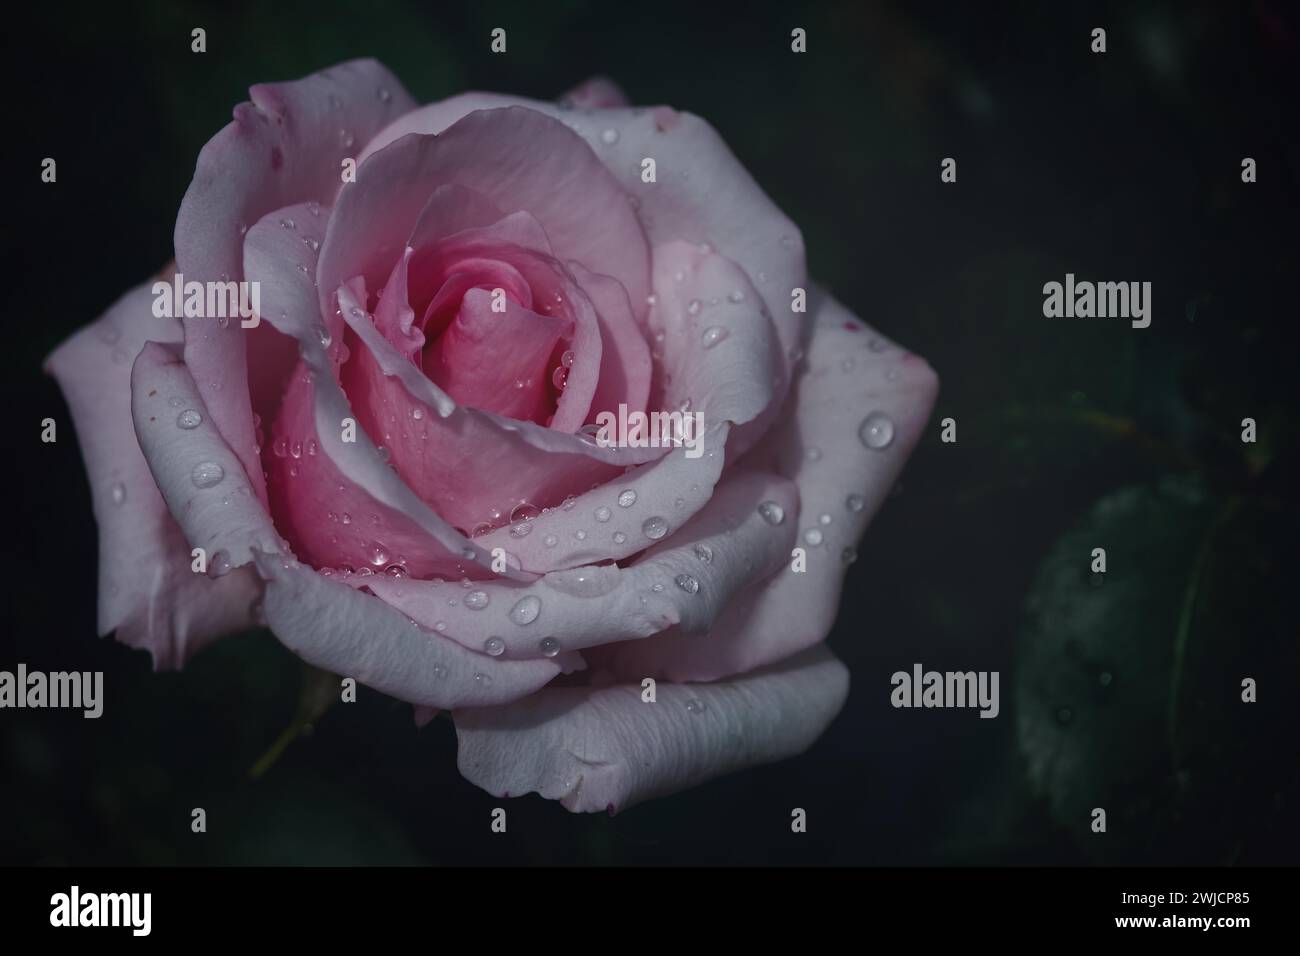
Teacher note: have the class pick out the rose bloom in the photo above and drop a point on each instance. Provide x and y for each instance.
(394, 469)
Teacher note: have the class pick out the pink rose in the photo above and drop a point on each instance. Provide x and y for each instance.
(500, 273)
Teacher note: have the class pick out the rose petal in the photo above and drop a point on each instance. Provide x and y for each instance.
(845, 380)
(518, 159)
(272, 155)
(721, 355)
(599, 92)
(607, 749)
(676, 487)
(200, 477)
(497, 360)
(344, 477)
(357, 635)
(147, 592)
(625, 366)
(701, 194)
(685, 578)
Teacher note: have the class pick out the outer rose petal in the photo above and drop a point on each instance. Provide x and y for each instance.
(197, 472)
(147, 591)
(283, 148)
(357, 635)
(845, 379)
(685, 579)
(606, 749)
(599, 92)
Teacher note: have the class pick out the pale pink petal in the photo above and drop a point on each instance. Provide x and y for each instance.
(356, 635)
(675, 487)
(685, 577)
(147, 592)
(851, 373)
(599, 92)
(608, 748)
(721, 356)
(625, 366)
(518, 159)
(282, 148)
(200, 477)
(701, 194)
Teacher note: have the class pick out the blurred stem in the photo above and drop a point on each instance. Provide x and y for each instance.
(317, 690)
(1186, 615)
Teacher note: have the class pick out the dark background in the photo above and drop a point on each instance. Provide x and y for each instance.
(1121, 692)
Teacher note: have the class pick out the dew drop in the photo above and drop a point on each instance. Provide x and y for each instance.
(704, 553)
(876, 431)
(189, 419)
(550, 541)
(813, 536)
(771, 512)
(526, 610)
(848, 555)
(654, 527)
(712, 336)
(602, 514)
(609, 137)
(687, 583)
(696, 706)
(219, 566)
(476, 600)
(855, 503)
(619, 537)
(118, 492)
(494, 646)
(694, 306)
(736, 296)
(626, 498)
(206, 474)
(549, 646)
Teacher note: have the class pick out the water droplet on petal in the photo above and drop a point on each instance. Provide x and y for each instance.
(206, 474)
(713, 335)
(494, 646)
(813, 536)
(549, 646)
(609, 137)
(694, 306)
(619, 537)
(736, 296)
(189, 419)
(550, 541)
(704, 553)
(848, 555)
(118, 493)
(696, 706)
(602, 514)
(771, 512)
(876, 431)
(654, 527)
(855, 503)
(476, 600)
(687, 583)
(526, 610)
(219, 566)
(626, 498)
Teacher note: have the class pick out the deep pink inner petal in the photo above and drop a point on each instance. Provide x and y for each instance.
(498, 361)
